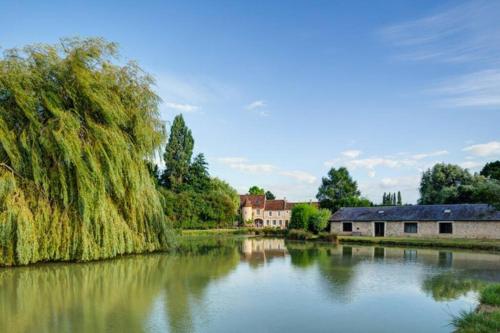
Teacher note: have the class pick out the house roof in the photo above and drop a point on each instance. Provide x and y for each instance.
(254, 201)
(275, 205)
(460, 212)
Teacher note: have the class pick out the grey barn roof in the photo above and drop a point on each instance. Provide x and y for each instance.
(462, 212)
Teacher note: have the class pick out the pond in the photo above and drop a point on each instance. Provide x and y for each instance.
(237, 284)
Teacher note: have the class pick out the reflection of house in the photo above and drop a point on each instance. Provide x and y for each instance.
(455, 221)
(266, 213)
(262, 250)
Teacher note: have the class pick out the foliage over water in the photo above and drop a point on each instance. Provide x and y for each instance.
(75, 133)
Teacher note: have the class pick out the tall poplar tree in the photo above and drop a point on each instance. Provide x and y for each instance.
(178, 153)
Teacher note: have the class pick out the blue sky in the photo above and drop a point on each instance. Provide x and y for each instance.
(276, 92)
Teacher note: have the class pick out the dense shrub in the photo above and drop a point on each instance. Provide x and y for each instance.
(310, 218)
(214, 208)
(298, 234)
(319, 220)
(327, 237)
(301, 214)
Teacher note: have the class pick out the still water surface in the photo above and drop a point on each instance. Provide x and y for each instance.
(249, 285)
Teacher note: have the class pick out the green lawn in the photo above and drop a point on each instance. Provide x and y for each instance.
(478, 244)
(486, 318)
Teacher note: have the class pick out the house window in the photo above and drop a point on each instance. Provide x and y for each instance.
(445, 228)
(286, 223)
(280, 222)
(411, 228)
(270, 213)
(347, 227)
(258, 211)
(279, 213)
(267, 222)
(274, 222)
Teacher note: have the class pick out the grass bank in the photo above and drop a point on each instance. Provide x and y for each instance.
(293, 234)
(486, 318)
(472, 244)
(208, 232)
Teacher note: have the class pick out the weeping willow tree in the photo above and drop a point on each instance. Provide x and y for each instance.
(76, 132)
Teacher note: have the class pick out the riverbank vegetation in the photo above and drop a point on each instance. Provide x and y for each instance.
(191, 198)
(76, 132)
(478, 244)
(486, 318)
(451, 184)
(338, 189)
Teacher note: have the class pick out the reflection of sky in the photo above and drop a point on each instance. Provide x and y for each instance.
(383, 295)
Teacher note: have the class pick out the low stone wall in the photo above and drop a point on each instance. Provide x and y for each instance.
(461, 229)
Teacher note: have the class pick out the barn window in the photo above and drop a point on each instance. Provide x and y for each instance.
(411, 228)
(445, 228)
(347, 226)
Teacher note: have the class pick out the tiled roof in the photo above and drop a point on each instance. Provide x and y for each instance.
(256, 201)
(460, 212)
(275, 205)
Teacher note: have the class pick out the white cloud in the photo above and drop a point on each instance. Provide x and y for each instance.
(301, 176)
(256, 105)
(242, 164)
(477, 89)
(484, 149)
(182, 107)
(371, 173)
(466, 32)
(430, 154)
(369, 163)
(471, 165)
(351, 153)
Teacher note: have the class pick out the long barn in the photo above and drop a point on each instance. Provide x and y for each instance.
(454, 221)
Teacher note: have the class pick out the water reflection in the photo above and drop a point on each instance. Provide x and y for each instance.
(122, 295)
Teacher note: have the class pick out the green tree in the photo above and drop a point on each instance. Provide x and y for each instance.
(441, 183)
(301, 214)
(255, 190)
(338, 190)
(178, 153)
(319, 220)
(491, 170)
(270, 195)
(198, 177)
(400, 200)
(76, 131)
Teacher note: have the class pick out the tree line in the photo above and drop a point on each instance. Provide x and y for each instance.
(192, 199)
(441, 184)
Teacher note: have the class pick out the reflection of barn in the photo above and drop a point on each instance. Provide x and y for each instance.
(258, 251)
(481, 265)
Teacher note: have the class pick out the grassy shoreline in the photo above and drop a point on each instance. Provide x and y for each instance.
(486, 317)
(467, 244)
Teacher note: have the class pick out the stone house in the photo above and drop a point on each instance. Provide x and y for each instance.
(452, 221)
(261, 212)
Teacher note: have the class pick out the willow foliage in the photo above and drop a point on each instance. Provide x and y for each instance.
(76, 131)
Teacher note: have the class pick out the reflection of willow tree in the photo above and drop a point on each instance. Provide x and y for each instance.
(116, 295)
(79, 297)
(448, 286)
(187, 277)
(336, 269)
